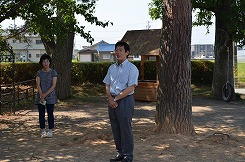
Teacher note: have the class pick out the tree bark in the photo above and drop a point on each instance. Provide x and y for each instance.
(62, 59)
(61, 52)
(223, 50)
(174, 100)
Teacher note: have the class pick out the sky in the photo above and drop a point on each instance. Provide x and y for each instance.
(125, 15)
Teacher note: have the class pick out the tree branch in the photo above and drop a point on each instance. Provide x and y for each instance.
(13, 10)
(202, 5)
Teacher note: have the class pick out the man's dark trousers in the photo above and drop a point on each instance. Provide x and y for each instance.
(121, 119)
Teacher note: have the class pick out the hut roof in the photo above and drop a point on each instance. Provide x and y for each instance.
(93, 48)
(87, 50)
(143, 42)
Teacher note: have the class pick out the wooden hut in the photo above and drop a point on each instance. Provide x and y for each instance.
(145, 43)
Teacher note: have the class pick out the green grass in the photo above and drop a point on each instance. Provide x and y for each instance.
(241, 72)
(88, 89)
(96, 92)
(200, 90)
(88, 93)
(91, 91)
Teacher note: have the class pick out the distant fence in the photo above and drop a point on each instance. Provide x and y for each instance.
(12, 94)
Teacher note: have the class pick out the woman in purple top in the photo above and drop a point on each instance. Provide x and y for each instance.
(46, 79)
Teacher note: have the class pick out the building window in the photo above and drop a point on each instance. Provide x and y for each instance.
(37, 55)
(39, 41)
(17, 41)
(202, 47)
(29, 56)
(106, 56)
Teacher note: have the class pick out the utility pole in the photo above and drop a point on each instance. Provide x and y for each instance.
(148, 25)
(235, 68)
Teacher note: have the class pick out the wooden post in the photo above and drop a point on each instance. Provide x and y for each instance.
(157, 63)
(235, 68)
(142, 67)
(18, 94)
(27, 94)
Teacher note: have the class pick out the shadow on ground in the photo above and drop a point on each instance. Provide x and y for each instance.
(82, 133)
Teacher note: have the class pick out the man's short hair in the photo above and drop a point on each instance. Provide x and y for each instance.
(124, 44)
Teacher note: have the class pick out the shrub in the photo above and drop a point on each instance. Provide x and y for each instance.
(94, 72)
(20, 71)
(202, 72)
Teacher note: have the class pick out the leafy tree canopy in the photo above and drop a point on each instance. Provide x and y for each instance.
(41, 16)
(10, 8)
(234, 14)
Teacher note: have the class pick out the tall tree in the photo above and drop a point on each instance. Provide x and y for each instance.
(225, 12)
(174, 101)
(55, 22)
(229, 27)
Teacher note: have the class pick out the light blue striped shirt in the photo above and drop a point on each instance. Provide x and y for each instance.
(121, 76)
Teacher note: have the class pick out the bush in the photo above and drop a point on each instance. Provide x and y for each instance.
(202, 72)
(22, 72)
(94, 72)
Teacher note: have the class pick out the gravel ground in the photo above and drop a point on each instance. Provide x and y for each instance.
(82, 134)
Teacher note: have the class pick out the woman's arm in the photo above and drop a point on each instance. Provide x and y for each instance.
(54, 81)
(39, 87)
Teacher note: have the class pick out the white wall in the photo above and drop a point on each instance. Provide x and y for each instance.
(27, 52)
(85, 58)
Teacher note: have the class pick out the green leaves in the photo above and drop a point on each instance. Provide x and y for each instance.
(203, 17)
(232, 12)
(52, 18)
(155, 9)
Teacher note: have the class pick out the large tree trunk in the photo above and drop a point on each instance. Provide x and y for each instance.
(62, 59)
(61, 52)
(223, 51)
(174, 100)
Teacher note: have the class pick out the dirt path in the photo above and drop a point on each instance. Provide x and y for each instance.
(83, 134)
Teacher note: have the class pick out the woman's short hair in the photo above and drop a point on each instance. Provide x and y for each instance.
(44, 57)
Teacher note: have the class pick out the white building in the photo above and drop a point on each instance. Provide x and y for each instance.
(202, 51)
(29, 50)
